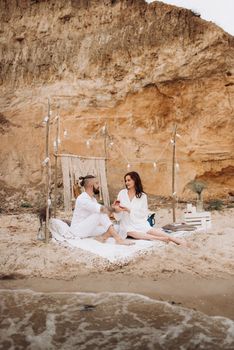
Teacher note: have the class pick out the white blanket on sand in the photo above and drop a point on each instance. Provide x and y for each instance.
(109, 250)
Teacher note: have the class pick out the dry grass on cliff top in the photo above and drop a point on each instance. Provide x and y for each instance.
(22, 255)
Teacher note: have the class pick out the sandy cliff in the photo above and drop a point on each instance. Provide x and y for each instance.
(139, 68)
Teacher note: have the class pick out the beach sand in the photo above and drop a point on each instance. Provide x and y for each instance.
(200, 278)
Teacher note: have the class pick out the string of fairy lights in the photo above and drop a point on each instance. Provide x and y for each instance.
(113, 143)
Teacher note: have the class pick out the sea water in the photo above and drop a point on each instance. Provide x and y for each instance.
(85, 321)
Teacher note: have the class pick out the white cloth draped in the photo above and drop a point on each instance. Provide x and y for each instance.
(115, 253)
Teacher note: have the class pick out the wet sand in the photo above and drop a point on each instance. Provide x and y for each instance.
(214, 297)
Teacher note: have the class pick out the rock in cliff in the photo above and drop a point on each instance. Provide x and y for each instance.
(138, 68)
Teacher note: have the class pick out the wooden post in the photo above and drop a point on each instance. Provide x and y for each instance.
(47, 175)
(106, 151)
(56, 166)
(173, 173)
(105, 141)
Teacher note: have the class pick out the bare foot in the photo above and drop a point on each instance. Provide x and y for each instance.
(100, 239)
(124, 242)
(188, 245)
(183, 243)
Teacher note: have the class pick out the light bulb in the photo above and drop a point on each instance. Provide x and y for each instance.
(45, 161)
(154, 166)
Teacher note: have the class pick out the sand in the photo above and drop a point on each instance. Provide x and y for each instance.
(201, 277)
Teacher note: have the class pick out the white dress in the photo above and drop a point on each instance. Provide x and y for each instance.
(136, 220)
(87, 221)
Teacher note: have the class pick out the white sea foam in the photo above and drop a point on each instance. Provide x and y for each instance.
(83, 321)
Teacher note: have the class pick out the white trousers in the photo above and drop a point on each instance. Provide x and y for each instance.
(93, 225)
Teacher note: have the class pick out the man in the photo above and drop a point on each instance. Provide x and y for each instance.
(91, 219)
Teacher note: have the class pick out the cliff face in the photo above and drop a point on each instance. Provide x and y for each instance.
(139, 68)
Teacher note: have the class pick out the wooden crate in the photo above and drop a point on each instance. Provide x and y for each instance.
(199, 219)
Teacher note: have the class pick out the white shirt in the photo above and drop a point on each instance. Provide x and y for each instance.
(136, 220)
(85, 206)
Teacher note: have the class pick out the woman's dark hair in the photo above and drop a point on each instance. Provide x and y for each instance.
(137, 180)
(83, 179)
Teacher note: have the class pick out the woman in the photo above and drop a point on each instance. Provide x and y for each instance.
(131, 209)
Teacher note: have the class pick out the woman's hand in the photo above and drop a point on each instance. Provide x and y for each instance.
(125, 209)
(118, 208)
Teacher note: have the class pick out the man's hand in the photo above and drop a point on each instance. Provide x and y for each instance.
(104, 210)
(107, 210)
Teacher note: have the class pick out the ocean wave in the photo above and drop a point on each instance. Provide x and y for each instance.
(33, 320)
